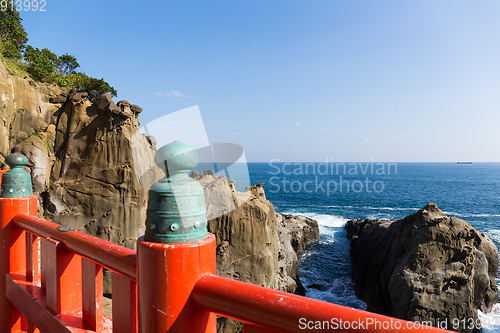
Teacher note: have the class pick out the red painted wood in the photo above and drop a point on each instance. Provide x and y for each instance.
(22, 294)
(49, 274)
(282, 311)
(114, 257)
(63, 278)
(32, 270)
(166, 274)
(69, 273)
(124, 304)
(31, 300)
(92, 294)
(12, 254)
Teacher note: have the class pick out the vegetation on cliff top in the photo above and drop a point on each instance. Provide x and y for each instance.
(43, 65)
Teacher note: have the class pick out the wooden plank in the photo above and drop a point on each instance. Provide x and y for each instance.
(62, 277)
(32, 270)
(29, 300)
(124, 303)
(50, 282)
(92, 294)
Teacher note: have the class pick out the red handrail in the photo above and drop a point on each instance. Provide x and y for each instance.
(114, 257)
(178, 293)
(286, 312)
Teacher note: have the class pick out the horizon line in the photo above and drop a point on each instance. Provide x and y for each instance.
(455, 162)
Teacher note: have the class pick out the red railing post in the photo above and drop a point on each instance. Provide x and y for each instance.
(16, 197)
(176, 250)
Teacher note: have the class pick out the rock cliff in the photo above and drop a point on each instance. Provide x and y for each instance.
(255, 244)
(424, 267)
(81, 159)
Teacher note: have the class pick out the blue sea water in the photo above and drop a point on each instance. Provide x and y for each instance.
(332, 193)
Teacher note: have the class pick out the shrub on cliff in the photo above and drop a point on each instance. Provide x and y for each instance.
(68, 64)
(94, 87)
(42, 64)
(12, 35)
(45, 66)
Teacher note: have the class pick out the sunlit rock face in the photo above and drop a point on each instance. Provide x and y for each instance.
(91, 170)
(255, 244)
(424, 267)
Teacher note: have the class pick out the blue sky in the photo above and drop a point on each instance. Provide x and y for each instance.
(300, 80)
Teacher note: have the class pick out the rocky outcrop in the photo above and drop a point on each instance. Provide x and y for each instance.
(424, 267)
(254, 243)
(83, 157)
(80, 156)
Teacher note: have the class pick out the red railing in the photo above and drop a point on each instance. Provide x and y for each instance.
(159, 288)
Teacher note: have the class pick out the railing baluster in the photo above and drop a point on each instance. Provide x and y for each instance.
(124, 303)
(63, 279)
(92, 294)
(32, 271)
(49, 273)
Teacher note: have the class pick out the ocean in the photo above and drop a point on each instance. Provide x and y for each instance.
(333, 193)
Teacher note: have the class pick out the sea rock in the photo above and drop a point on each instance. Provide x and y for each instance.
(302, 229)
(424, 267)
(254, 243)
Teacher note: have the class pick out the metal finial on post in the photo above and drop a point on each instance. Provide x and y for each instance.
(176, 250)
(176, 209)
(16, 182)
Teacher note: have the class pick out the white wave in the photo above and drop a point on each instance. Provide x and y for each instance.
(328, 224)
(391, 208)
(327, 220)
(494, 234)
(490, 321)
(377, 208)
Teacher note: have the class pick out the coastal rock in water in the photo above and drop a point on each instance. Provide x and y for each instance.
(424, 267)
(302, 229)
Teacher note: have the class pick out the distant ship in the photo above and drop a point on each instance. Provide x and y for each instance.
(464, 162)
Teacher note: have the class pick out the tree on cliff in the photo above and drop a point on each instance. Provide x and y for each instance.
(42, 64)
(12, 34)
(94, 87)
(46, 66)
(68, 64)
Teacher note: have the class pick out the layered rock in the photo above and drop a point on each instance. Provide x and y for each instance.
(255, 244)
(83, 162)
(424, 267)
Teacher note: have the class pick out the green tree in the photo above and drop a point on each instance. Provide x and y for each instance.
(12, 35)
(42, 64)
(68, 64)
(94, 87)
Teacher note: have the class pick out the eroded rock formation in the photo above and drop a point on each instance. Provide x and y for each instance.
(81, 158)
(255, 244)
(424, 267)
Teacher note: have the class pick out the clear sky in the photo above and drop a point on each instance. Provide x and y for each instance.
(301, 80)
